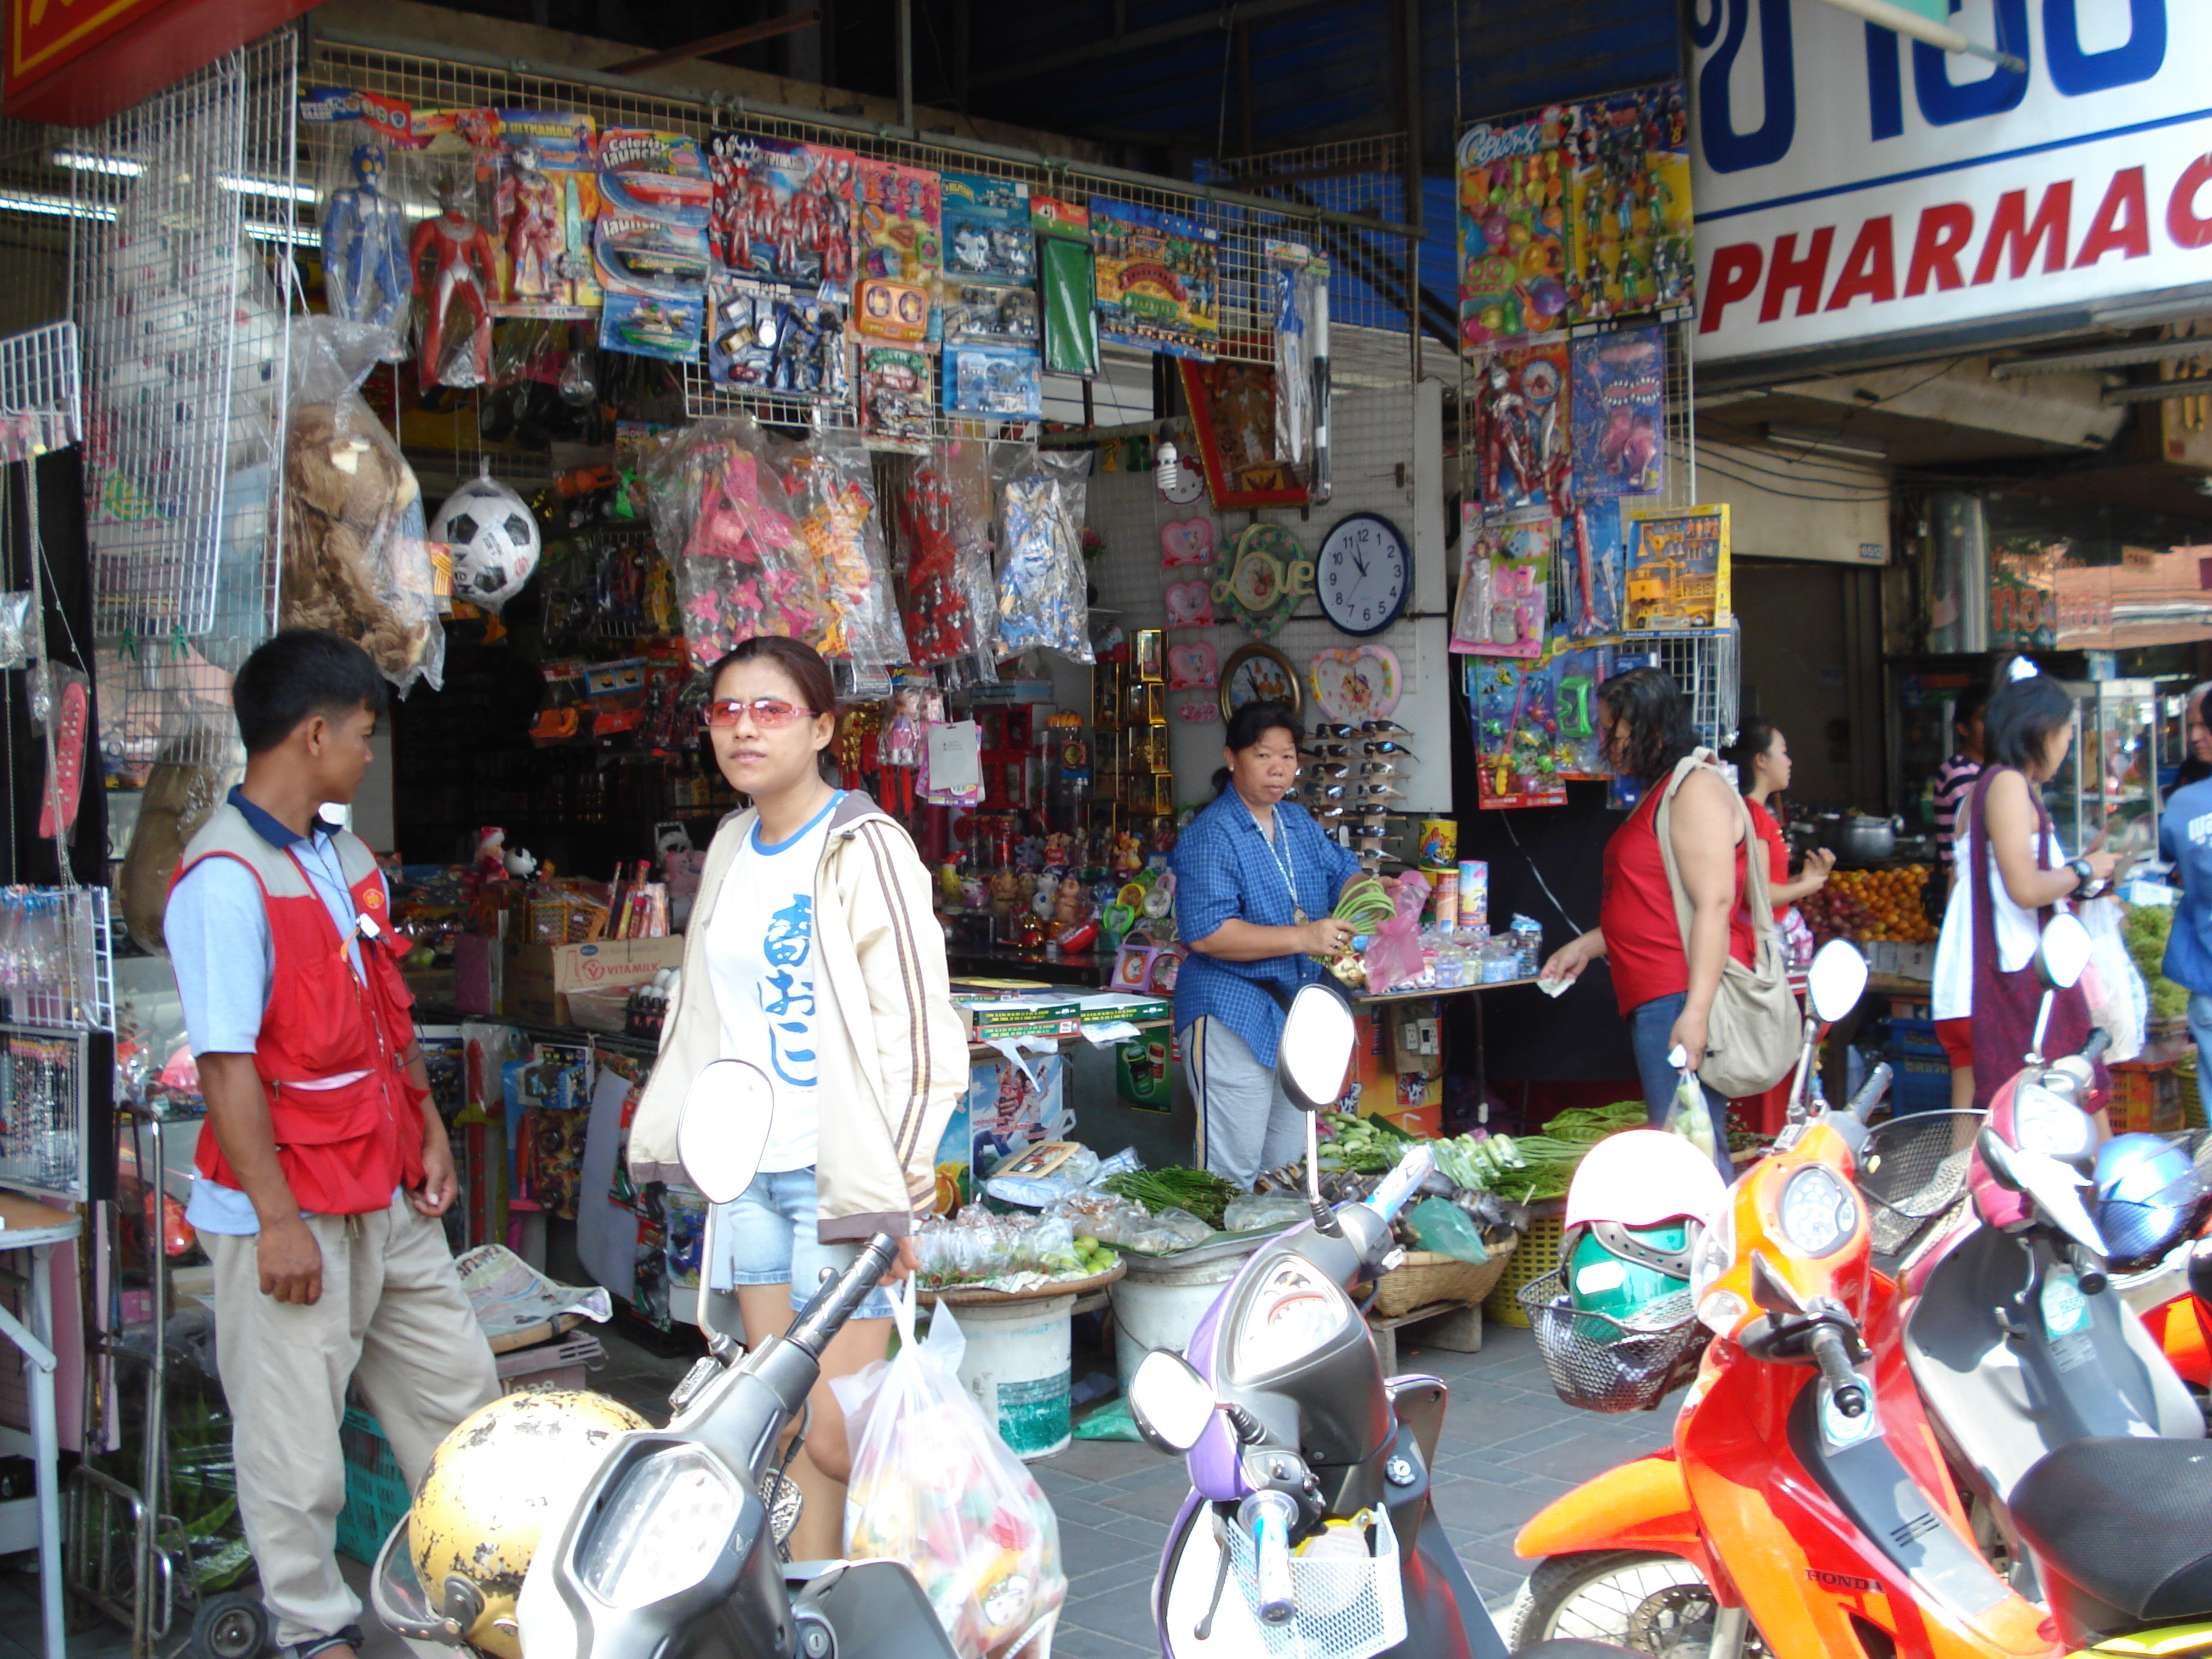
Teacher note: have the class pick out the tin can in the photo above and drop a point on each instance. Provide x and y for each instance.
(1443, 889)
(1439, 844)
(1474, 893)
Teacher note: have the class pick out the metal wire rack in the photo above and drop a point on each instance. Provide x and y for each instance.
(1245, 302)
(41, 405)
(186, 346)
(56, 960)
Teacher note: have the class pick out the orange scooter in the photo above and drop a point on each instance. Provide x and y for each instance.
(1804, 1509)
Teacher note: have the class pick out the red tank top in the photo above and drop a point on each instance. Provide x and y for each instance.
(1642, 940)
(1777, 852)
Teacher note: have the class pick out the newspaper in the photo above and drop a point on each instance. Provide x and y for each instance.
(517, 1305)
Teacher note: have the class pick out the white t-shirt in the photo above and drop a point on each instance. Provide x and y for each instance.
(760, 961)
(1952, 995)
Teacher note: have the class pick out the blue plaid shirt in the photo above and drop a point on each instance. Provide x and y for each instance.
(1224, 870)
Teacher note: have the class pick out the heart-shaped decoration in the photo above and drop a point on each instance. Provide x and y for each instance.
(1193, 668)
(1198, 714)
(1186, 541)
(1190, 604)
(1362, 684)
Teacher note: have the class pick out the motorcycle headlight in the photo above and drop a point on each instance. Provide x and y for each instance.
(2044, 1122)
(1295, 1310)
(1817, 1211)
(662, 1529)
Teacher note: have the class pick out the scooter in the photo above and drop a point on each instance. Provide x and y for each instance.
(2012, 1336)
(667, 1548)
(1804, 1493)
(1309, 1527)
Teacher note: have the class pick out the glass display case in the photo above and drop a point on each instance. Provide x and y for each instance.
(2110, 778)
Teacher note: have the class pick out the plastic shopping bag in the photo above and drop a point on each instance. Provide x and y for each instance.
(2118, 1000)
(935, 1487)
(1691, 1116)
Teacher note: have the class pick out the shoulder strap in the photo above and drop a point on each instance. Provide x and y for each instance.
(1756, 891)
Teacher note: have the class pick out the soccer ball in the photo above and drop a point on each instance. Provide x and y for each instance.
(494, 537)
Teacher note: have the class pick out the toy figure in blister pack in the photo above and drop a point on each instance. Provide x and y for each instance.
(452, 260)
(940, 624)
(899, 229)
(1618, 397)
(365, 246)
(1559, 485)
(987, 230)
(895, 398)
(995, 381)
(981, 315)
(1041, 586)
(1515, 735)
(781, 209)
(527, 206)
(764, 337)
(1504, 583)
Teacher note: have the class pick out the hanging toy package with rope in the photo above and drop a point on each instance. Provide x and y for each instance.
(1043, 597)
(356, 560)
(832, 486)
(741, 563)
(945, 521)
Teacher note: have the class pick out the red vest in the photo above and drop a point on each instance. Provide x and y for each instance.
(1642, 936)
(343, 1149)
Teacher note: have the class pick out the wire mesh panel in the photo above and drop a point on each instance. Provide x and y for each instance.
(43, 1079)
(1703, 661)
(56, 960)
(41, 404)
(185, 349)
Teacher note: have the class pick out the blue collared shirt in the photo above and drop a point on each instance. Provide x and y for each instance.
(2185, 838)
(217, 932)
(1226, 870)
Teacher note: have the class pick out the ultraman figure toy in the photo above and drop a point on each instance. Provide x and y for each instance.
(365, 246)
(1507, 446)
(452, 258)
(528, 208)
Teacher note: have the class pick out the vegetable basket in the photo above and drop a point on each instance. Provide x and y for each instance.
(1427, 1277)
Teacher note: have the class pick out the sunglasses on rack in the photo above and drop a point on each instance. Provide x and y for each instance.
(1328, 768)
(1388, 747)
(769, 713)
(1382, 768)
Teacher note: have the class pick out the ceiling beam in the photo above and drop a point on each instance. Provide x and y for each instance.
(1121, 43)
(767, 29)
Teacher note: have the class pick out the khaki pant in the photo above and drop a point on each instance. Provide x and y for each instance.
(391, 1318)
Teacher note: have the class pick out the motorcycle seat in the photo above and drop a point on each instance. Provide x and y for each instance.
(2127, 1521)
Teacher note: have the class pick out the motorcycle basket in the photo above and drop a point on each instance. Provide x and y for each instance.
(1349, 1606)
(1601, 1363)
(1912, 1173)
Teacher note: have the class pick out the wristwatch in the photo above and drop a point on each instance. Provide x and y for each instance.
(2086, 883)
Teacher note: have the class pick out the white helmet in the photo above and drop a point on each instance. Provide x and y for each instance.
(1641, 1177)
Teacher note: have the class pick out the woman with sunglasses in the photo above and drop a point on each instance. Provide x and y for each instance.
(814, 954)
(1255, 880)
(1664, 988)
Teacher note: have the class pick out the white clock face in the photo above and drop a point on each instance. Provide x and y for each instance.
(1363, 575)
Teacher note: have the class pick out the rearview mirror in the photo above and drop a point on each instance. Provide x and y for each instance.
(2063, 953)
(1837, 980)
(723, 1133)
(1315, 1055)
(1170, 1403)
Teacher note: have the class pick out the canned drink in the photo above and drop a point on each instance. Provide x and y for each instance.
(1474, 893)
(1444, 886)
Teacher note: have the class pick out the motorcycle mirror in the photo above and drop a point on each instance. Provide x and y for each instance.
(1997, 1159)
(1170, 1403)
(1770, 1291)
(1837, 980)
(2063, 953)
(1315, 1054)
(2056, 1189)
(723, 1133)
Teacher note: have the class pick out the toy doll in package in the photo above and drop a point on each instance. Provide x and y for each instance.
(1505, 570)
(772, 338)
(782, 211)
(543, 188)
(945, 522)
(831, 485)
(1042, 586)
(362, 142)
(742, 566)
(933, 1485)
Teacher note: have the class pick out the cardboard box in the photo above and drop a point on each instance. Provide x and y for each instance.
(538, 977)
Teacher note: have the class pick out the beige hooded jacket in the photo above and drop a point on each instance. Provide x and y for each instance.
(894, 1051)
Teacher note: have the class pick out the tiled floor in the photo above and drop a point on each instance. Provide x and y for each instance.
(1509, 1448)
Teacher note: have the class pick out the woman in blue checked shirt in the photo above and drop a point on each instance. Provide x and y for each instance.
(1255, 880)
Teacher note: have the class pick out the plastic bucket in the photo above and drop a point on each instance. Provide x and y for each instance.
(1160, 1306)
(1016, 1367)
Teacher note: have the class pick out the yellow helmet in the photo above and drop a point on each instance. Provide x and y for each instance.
(490, 1486)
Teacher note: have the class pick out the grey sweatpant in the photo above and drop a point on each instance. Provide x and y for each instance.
(1246, 1123)
(392, 1317)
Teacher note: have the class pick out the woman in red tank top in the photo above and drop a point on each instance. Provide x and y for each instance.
(1760, 756)
(1664, 992)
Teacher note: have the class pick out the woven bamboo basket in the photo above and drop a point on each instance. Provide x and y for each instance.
(1425, 1278)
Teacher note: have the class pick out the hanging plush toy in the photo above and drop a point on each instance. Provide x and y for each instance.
(494, 537)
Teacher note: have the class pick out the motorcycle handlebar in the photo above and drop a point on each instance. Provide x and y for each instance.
(1267, 1517)
(831, 1306)
(1871, 1092)
(2099, 1040)
(1833, 1355)
(2088, 1267)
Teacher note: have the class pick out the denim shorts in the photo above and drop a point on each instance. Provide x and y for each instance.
(766, 1236)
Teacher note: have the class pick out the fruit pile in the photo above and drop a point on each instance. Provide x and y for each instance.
(1870, 904)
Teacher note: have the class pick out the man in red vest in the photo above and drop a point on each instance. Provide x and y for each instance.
(321, 1174)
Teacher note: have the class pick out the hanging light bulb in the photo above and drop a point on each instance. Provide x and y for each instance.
(1167, 467)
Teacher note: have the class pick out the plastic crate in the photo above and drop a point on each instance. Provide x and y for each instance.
(376, 1491)
(2192, 1102)
(1536, 1255)
(2146, 1096)
(1914, 1038)
(1920, 1084)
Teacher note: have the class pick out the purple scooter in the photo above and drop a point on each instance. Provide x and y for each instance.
(1308, 1528)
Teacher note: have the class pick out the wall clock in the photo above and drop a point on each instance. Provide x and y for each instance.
(1259, 673)
(1363, 574)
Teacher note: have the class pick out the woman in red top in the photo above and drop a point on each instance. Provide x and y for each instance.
(1760, 756)
(1665, 993)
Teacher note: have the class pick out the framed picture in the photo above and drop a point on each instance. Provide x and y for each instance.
(1259, 673)
(1232, 416)
(1151, 653)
